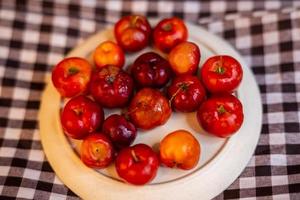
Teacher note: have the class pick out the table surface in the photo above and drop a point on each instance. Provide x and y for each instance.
(35, 35)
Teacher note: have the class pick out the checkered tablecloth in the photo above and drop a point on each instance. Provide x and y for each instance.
(35, 35)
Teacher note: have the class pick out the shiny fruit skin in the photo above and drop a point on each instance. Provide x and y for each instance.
(149, 108)
(71, 76)
(97, 151)
(184, 58)
(132, 32)
(81, 116)
(151, 70)
(168, 33)
(179, 149)
(186, 93)
(138, 164)
(221, 74)
(121, 131)
(221, 115)
(109, 53)
(111, 87)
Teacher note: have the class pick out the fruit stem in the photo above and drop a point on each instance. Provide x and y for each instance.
(135, 158)
(72, 71)
(127, 113)
(221, 110)
(167, 27)
(182, 87)
(133, 20)
(110, 79)
(220, 69)
(78, 111)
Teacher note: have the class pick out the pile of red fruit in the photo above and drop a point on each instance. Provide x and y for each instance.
(151, 87)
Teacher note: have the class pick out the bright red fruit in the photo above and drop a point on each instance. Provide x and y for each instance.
(109, 53)
(121, 131)
(111, 87)
(137, 164)
(221, 115)
(168, 33)
(149, 108)
(186, 93)
(132, 32)
(184, 58)
(97, 151)
(71, 76)
(151, 70)
(221, 74)
(81, 116)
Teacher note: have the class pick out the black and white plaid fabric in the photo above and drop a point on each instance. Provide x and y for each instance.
(35, 35)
